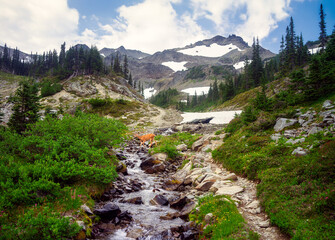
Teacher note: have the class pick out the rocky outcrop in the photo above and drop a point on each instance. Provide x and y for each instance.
(283, 123)
(307, 124)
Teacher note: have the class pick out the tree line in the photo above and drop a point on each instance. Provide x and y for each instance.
(76, 59)
(293, 55)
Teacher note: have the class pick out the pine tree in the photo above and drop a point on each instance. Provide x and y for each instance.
(323, 33)
(125, 67)
(26, 106)
(6, 58)
(290, 46)
(62, 55)
(256, 66)
(330, 50)
(282, 54)
(194, 99)
(215, 91)
(130, 81)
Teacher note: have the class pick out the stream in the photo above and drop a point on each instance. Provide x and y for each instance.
(142, 196)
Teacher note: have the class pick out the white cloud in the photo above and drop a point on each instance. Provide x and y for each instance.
(151, 26)
(259, 17)
(35, 25)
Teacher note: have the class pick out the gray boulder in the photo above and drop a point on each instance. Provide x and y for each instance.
(283, 123)
(299, 151)
(314, 130)
(328, 105)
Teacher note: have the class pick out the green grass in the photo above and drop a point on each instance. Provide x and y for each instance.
(115, 108)
(11, 77)
(298, 193)
(168, 144)
(227, 222)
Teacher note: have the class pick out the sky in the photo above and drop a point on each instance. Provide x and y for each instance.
(155, 25)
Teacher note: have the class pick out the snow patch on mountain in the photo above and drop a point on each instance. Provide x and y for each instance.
(314, 50)
(198, 90)
(241, 64)
(149, 92)
(176, 66)
(213, 50)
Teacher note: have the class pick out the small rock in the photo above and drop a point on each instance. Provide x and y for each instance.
(108, 212)
(314, 130)
(182, 147)
(187, 210)
(254, 204)
(230, 190)
(179, 203)
(264, 224)
(159, 200)
(81, 224)
(299, 151)
(135, 233)
(136, 200)
(328, 104)
(204, 186)
(276, 137)
(231, 176)
(160, 157)
(86, 209)
(208, 218)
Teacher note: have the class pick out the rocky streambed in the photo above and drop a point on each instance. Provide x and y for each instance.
(143, 204)
(152, 198)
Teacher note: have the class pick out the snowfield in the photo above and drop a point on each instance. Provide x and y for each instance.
(314, 50)
(199, 90)
(149, 92)
(214, 50)
(223, 117)
(240, 64)
(176, 66)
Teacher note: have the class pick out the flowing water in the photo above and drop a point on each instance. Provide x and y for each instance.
(146, 221)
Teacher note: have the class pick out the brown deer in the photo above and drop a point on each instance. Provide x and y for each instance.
(147, 137)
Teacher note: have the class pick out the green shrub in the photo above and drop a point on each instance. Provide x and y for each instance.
(41, 224)
(53, 164)
(227, 222)
(49, 89)
(99, 102)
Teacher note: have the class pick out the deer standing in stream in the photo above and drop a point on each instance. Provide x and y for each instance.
(147, 137)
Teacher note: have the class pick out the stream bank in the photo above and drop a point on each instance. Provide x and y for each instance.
(153, 198)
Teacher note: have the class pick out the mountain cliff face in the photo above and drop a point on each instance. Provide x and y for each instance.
(171, 68)
(176, 67)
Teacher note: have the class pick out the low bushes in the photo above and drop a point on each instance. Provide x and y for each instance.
(298, 193)
(54, 164)
(226, 222)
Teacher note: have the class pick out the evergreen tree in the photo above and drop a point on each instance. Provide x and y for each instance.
(323, 33)
(210, 93)
(125, 67)
(117, 67)
(330, 50)
(194, 99)
(62, 55)
(26, 106)
(6, 58)
(215, 91)
(282, 54)
(290, 46)
(256, 66)
(130, 81)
